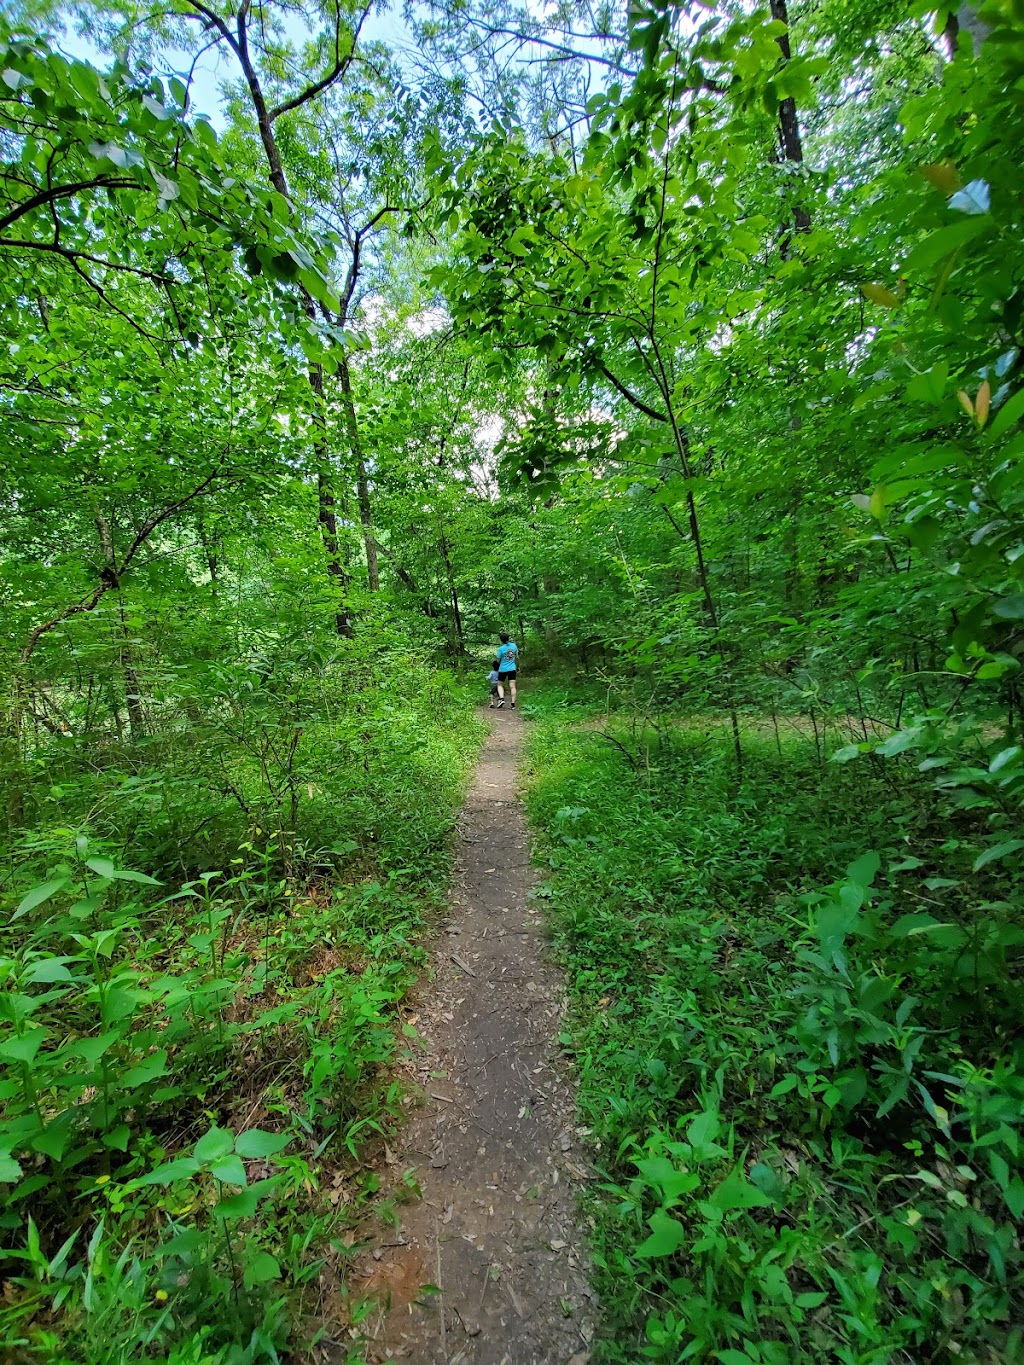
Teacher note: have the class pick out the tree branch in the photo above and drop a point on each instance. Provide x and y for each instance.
(71, 255)
(48, 196)
(629, 396)
(111, 574)
(341, 65)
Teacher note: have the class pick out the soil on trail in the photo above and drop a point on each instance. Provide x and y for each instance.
(494, 1143)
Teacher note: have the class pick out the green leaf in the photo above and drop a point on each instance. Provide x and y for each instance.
(1014, 1196)
(255, 1143)
(736, 1192)
(242, 1205)
(1010, 608)
(667, 1236)
(900, 742)
(671, 1182)
(167, 1174)
(124, 874)
(929, 387)
(103, 867)
(997, 851)
(213, 1145)
(46, 971)
(92, 1049)
(38, 895)
(938, 245)
(23, 1048)
(784, 1086)
(1009, 414)
(54, 1138)
(229, 1170)
(261, 1269)
(10, 1170)
(148, 1070)
(864, 871)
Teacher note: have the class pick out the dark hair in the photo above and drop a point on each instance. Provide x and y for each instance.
(503, 637)
(494, 663)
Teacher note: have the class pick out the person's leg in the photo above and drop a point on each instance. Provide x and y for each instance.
(501, 694)
(512, 689)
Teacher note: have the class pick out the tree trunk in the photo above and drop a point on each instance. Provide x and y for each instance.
(132, 694)
(459, 642)
(125, 656)
(362, 481)
(210, 553)
(239, 44)
(790, 141)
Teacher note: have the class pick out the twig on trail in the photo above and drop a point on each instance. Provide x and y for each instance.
(440, 1297)
(517, 1302)
(459, 963)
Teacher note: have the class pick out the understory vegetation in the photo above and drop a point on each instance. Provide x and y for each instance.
(684, 342)
(197, 1056)
(797, 1022)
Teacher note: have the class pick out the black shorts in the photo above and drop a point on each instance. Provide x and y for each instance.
(507, 677)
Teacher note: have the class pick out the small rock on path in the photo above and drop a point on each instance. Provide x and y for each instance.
(494, 1145)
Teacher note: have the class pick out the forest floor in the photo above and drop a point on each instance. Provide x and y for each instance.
(488, 1266)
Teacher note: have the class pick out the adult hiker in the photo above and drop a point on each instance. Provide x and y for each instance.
(507, 654)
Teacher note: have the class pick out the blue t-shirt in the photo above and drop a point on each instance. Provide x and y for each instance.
(507, 656)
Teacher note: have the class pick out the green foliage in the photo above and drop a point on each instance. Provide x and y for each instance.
(806, 1103)
(182, 1069)
(696, 361)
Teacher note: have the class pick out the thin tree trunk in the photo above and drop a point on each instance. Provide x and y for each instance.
(460, 642)
(238, 41)
(362, 481)
(210, 553)
(132, 694)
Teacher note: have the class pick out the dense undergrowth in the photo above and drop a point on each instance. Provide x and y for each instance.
(199, 1011)
(797, 1020)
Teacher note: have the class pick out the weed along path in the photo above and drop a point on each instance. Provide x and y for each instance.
(493, 1145)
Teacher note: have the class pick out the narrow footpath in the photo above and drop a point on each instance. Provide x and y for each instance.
(494, 1143)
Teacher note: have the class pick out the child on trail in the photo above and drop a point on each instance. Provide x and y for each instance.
(492, 678)
(508, 654)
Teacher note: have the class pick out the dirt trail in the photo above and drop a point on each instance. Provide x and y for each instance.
(494, 1144)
